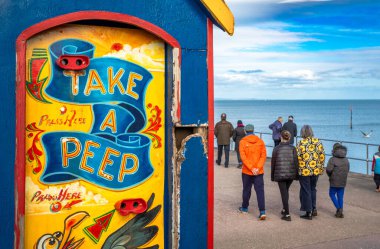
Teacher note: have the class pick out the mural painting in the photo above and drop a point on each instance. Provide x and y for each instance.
(94, 138)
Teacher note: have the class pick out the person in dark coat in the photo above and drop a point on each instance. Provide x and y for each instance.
(291, 127)
(284, 169)
(276, 128)
(237, 135)
(223, 133)
(337, 169)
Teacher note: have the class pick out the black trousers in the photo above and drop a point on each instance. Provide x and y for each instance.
(308, 192)
(238, 155)
(226, 154)
(284, 190)
(276, 142)
(258, 183)
(376, 178)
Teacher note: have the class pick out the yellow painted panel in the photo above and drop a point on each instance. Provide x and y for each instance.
(94, 138)
(221, 13)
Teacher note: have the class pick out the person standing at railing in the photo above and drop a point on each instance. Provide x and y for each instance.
(311, 159)
(253, 154)
(284, 169)
(237, 135)
(291, 127)
(376, 169)
(223, 133)
(276, 128)
(337, 169)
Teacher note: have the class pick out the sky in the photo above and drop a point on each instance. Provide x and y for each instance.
(299, 49)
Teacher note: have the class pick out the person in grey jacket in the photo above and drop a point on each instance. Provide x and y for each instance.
(223, 133)
(237, 135)
(337, 169)
(284, 169)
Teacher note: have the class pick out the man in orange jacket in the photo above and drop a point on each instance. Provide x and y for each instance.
(253, 155)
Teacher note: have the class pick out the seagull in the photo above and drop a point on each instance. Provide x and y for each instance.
(366, 134)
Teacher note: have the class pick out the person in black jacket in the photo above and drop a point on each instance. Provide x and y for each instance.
(284, 167)
(291, 127)
(237, 135)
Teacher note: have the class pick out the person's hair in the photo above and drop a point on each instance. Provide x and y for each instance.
(336, 145)
(279, 118)
(306, 131)
(285, 136)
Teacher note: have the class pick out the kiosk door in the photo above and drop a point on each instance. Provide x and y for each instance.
(95, 149)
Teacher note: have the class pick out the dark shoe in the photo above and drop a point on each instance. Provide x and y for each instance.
(218, 163)
(243, 210)
(239, 166)
(339, 213)
(314, 213)
(226, 166)
(307, 216)
(286, 217)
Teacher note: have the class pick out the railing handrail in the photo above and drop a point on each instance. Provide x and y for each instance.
(367, 159)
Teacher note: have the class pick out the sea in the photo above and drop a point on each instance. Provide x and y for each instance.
(329, 119)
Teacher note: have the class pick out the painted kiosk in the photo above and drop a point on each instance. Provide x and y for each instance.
(114, 108)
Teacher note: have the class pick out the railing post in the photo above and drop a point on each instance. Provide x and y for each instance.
(367, 159)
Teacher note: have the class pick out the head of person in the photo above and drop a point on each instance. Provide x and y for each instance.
(223, 116)
(306, 131)
(279, 119)
(336, 146)
(378, 149)
(249, 128)
(285, 136)
(240, 123)
(290, 118)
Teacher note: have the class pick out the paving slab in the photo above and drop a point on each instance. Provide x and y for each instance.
(359, 229)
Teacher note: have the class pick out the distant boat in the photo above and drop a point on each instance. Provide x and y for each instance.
(366, 134)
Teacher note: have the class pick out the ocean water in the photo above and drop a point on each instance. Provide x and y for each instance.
(330, 119)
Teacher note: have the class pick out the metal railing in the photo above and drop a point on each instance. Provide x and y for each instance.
(367, 158)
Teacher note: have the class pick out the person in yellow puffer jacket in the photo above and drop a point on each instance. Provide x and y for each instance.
(253, 155)
(311, 158)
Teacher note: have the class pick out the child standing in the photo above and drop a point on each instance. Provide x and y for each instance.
(376, 169)
(337, 170)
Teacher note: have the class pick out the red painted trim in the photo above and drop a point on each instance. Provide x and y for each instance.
(20, 90)
(210, 65)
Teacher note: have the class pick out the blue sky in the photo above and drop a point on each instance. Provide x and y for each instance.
(300, 49)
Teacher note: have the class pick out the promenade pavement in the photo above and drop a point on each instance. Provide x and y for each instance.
(360, 229)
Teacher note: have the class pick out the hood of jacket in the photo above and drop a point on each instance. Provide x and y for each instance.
(340, 151)
(252, 139)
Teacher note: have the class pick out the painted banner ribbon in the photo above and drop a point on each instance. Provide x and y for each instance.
(113, 155)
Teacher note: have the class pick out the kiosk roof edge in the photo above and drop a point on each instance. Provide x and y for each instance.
(220, 14)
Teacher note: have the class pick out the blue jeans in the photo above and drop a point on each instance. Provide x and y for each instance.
(337, 196)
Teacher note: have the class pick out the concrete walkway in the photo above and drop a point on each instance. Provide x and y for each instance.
(359, 229)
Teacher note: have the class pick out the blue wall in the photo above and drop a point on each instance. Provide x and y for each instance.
(185, 20)
(193, 195)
